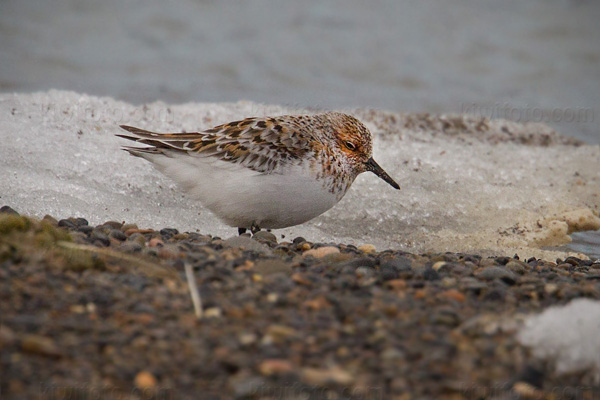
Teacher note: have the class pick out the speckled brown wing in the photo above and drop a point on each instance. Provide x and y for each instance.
(261, 144)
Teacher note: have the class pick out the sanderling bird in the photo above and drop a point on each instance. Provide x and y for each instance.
(270, 172)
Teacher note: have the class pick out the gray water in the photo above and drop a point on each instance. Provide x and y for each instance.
(535, 60)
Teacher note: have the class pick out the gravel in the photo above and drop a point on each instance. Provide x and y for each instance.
(107, 312)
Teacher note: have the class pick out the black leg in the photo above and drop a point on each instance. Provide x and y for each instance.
(241, 231)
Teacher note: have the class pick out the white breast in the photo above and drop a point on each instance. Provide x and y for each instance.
(242, 197)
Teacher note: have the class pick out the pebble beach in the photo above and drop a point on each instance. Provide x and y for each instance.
(106, 311)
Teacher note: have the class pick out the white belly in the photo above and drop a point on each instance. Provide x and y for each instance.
(242, 197)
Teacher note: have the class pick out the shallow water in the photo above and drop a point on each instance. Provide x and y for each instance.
(537, 60)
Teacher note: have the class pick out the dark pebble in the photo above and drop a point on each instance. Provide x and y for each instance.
(80, 221)
(97, 236)
(298, 240)
(445, 317)
(8, 210)
(368, 262)
(430, 274)
(264, 236)
(85, 229)
(574, 261)
(113, 224)
(472, 285)
(118, 234)
(496, 294)
(67, 224)
(399, 264)
(168, 232)
(503, 260)
(532, 375)
(388, 272)
(491, 273)
(130, 247)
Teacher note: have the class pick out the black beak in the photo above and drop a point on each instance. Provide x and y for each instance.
(377, 170)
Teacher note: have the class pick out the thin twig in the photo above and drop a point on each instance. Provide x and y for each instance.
(189, 273)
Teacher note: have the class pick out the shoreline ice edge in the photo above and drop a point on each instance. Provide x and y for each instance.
(469, 184)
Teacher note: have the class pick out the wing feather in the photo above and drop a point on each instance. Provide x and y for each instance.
(261, 144)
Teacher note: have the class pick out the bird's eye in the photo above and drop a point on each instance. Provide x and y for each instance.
(349, 145)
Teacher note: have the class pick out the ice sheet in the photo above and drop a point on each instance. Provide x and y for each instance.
(468, 184)
(567, 336)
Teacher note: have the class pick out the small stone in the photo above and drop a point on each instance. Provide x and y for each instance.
(322, 377)
(127, 227)
(298, 240)
(7, 336)
(550, 288)
(169, 252)
(118, 234)
(487, 262)
(367, 248)
(247, 338)
(145, 380)
(448, 282)
(130, 247)
(8, 210)
(85, 229)
(97, 236)
(168, 232)
(65, 223)
(272, 266)
(438, 265)
(280, 331)
(275, 367)
(155, 242)
(454, 295)
(247, 386)
(50, 219)
(496, 294)
(264, 236)
(112, 224)
(305, 246)
(574, 261)
(356, 262)
(445, 317)
(213, 312)
(396, 284)
(317, 303)
(503, 274)
(272, 297)
(247, 244)
(429, 274)
(321, 252)
(389, 273)
(527, 391)
(40, 345)
(137, 238)
(400, 264)
(516, 266)
(364, 272)
(392, 353)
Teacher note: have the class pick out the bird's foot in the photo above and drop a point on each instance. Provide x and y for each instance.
(254, 228)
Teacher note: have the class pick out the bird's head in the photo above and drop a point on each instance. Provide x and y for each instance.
(354, 141)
